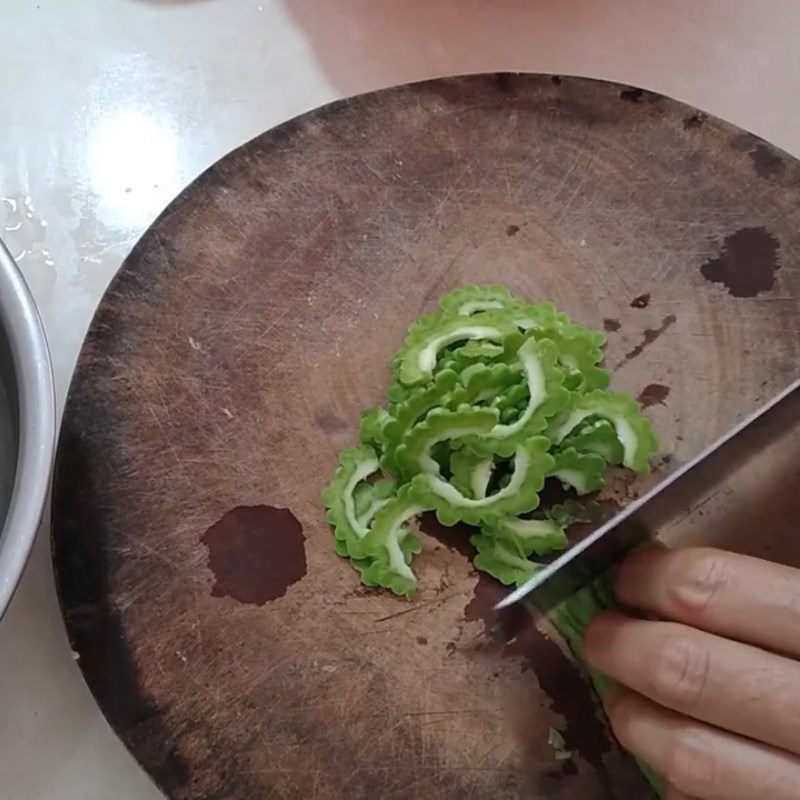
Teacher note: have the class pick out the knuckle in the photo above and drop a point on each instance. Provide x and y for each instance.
(702, 575)
(691, 764)
(680, 672)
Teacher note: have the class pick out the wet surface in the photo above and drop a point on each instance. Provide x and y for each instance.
(256, 553)
(653, 394)
(591, 515)
(611, 325)
(514, 631)
(549, 781)
(747, 263)
(455, 537)
(642, 301)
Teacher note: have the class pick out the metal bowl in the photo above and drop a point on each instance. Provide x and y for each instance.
(27, 424)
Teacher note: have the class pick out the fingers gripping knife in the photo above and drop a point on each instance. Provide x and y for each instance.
(677, 493)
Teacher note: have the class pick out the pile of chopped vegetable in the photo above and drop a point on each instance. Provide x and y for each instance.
(490, 397)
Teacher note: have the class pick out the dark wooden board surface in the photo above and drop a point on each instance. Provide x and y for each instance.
(231, 650)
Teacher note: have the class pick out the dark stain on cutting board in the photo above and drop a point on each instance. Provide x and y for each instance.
(693, 121)
(255, 553)
(767, 160)
(635, 95)
(232, 651)
(328, 421)
(653, 394)
(649, 336)
(746, 264)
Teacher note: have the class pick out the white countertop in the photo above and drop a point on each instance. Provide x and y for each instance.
(108, 108)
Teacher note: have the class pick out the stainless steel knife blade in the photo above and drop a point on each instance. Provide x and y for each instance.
(680, 491)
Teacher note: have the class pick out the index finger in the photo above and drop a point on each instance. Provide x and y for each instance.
(735, 596)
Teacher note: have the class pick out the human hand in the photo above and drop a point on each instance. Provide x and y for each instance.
(710, 696)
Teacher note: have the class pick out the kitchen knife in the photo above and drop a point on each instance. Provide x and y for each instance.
(676, 495)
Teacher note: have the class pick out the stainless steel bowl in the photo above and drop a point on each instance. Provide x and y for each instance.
(27, 424)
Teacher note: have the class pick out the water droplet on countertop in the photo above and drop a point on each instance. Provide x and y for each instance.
(24, 231)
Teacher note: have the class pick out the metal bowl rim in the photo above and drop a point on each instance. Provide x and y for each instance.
(37, 424)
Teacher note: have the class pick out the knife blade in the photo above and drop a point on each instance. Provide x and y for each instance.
(677, 494)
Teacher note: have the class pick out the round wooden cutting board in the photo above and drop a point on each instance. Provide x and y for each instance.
(233, 652)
